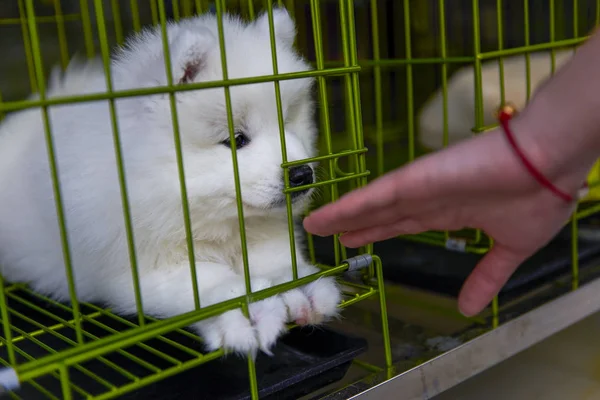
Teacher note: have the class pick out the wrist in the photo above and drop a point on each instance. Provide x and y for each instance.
(562, 120)
(561, 154)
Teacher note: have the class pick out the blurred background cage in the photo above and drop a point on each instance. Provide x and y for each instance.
(377, 62)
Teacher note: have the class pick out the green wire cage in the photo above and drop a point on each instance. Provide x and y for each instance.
(377, 62)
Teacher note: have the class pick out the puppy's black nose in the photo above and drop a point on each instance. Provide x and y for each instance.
(301, 175)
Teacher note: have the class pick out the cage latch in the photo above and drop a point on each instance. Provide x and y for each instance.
(358, 262)
(9, 381)
(456, 244)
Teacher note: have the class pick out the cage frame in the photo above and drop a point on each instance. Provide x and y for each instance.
(389, 380)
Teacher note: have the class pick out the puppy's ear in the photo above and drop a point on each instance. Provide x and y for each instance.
(189, 51)
(284, 25)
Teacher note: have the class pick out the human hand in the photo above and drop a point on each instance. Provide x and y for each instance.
(479, 183)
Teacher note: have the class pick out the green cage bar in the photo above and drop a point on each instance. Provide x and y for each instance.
(374, 66)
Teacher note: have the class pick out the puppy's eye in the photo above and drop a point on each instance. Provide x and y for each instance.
(241, 140)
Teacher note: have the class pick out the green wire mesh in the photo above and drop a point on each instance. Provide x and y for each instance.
(376, 63)
(84, 341)
(418, 47)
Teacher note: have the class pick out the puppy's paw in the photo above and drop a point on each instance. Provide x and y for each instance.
(299, 308)
(235, 333)
(314, 303)
(325, 296)
(231, 331)
(268, 317)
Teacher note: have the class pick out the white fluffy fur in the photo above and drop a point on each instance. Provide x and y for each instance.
(461, 95)
(30, 245)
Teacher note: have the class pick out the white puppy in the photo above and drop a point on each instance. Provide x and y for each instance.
(30, 245)
(461, 95)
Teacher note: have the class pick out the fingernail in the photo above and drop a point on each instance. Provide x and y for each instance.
(461, 309)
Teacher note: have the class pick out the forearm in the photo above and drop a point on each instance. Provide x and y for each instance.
(561, 125)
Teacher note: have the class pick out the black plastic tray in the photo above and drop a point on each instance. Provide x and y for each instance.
(303, 360)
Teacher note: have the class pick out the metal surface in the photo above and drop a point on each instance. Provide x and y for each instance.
(456, 366)
(8, 380)
(358, 262)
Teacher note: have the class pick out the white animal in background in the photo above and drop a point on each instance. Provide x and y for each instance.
(30, 245)
(461, 95)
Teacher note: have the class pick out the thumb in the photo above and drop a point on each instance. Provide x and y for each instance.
(486, 280)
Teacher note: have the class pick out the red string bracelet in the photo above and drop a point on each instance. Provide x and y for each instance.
(505, 113)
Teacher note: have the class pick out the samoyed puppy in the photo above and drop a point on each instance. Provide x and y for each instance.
(461, 95)
(30, 237)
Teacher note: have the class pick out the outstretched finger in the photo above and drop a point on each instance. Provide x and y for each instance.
(404, 192)
(364, 221)
(486, 280)
(351, 211)
(407, 226)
